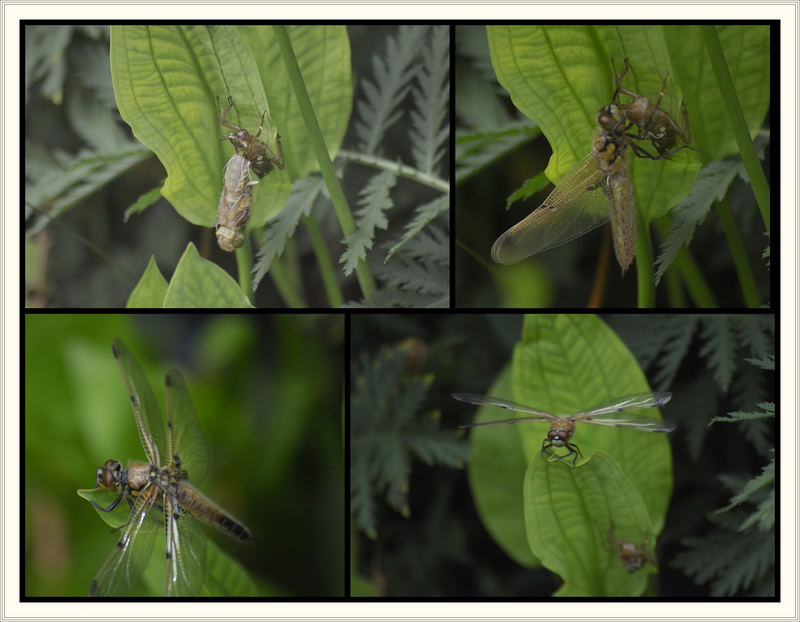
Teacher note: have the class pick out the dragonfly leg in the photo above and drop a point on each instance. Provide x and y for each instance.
(113, 505)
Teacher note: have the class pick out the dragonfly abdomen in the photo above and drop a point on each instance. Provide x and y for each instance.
(202, 508)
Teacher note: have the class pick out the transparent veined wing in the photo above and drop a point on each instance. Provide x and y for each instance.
(487, 400)
(636, 401)
(617, 413)
(124, 566)
(146, 410)
(185, 561)
(579, 203)
(184, 435)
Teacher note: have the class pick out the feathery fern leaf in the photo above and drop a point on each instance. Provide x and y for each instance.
(424, 215)
(730, 561)
(379, 108)
(387, 429)
(476, 151)
(720, 349)
(375, 199)
(278, 230)
(429, 128)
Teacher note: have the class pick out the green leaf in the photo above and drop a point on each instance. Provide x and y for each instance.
(117, 517)
(569, 363)
(568, 512)
(167, 80)
(199, 283)
(150, 290)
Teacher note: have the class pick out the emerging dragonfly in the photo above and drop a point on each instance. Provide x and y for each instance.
(599, 187)
(158, 492)
(596, 189)
(562, 427)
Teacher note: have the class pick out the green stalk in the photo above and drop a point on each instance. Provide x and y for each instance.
(342, 209)
(646, 296)
(746, 279)
(690, 273)
(730, 101)
(326, 267)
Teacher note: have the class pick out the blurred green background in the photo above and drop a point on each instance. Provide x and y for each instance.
(268, 394)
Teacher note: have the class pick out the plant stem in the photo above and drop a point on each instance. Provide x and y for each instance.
(746, 279)
(730, 100)
(398, 168)
(343, 213)
(326, 267)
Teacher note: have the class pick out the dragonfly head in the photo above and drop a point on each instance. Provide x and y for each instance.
(560, 432)
(108, 475)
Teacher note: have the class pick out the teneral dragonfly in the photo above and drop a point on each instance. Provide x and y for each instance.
(158, 491)
(596, 189)
(615, 413)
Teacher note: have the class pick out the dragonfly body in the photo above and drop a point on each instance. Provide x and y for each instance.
(158, 491)
(615, 413)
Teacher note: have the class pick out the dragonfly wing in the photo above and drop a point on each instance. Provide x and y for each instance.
(145, 407)
(636, 401)
(185, 561)
(124, 566)
(579, 203)
(184, 435)
(631, 422)
(488, 400)
(505, 421)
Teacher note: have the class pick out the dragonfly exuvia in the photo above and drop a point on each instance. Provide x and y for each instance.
(613, 413)
(158, 491)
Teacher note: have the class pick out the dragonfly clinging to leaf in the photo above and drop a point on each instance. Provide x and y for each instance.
(615, 413)
(599, 187)
(158, 492)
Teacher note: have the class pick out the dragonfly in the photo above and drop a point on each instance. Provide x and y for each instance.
(260, 156)
(597, 189)
(615, 413)
(158, 491)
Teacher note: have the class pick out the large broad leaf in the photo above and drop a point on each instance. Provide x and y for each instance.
(560, 76)
(568, 512)
(569, 363)
(167, 80)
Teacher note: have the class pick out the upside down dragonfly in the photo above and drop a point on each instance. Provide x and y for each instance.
(158, 492)
(562, 427)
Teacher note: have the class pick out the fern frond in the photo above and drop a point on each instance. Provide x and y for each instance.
(379, 108)
(387, 429)
(278, 230)
(712, 185)
(97, 124)
(756, 332)
(729, 561)
(754, 486)
(478, 150)
(429, 128)
(766, 362)
(424, 215)
(675, 334)
(719, 349)
(75, 179)
(375, 198)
